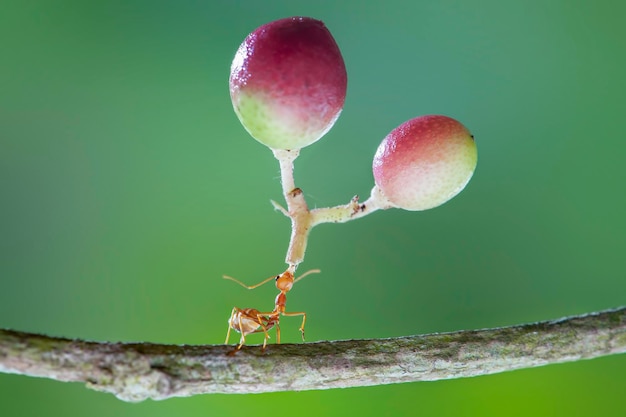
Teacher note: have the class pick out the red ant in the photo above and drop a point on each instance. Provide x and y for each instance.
(250, 320)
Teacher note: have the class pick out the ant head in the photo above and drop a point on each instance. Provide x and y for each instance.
(284, 282)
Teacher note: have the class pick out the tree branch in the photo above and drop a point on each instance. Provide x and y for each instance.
(138, 371)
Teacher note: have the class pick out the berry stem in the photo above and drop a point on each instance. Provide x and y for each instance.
(303, 219)
(297, 209)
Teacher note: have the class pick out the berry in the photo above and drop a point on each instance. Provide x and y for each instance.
(288, 82)
(425, 162)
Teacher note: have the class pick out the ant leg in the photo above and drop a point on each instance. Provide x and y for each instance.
(243, 334)
(242, 341)
(259, 318)
(230, 320)
(278, 333)
(299, 313)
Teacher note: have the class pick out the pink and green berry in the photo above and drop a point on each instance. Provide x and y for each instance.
(288, 82)
(425, 162)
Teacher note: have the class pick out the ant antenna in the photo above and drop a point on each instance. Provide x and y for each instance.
(250, 287)
(309, 272)
(275, 277)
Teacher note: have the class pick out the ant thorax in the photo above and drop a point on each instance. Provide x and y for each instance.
(280, 302)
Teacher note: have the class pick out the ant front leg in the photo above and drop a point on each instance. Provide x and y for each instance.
(299, 313)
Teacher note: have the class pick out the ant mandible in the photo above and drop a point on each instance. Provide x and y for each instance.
(250, 320)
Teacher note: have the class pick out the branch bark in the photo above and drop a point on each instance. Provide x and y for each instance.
(138, 371)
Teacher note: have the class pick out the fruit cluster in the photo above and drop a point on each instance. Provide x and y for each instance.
(288, 86)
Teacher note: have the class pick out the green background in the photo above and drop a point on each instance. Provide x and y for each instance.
(129, 187)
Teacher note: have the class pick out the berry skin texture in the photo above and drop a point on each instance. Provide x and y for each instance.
(288, 82)
(425, 162)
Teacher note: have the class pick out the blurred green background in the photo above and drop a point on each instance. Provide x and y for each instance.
(129, 187)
